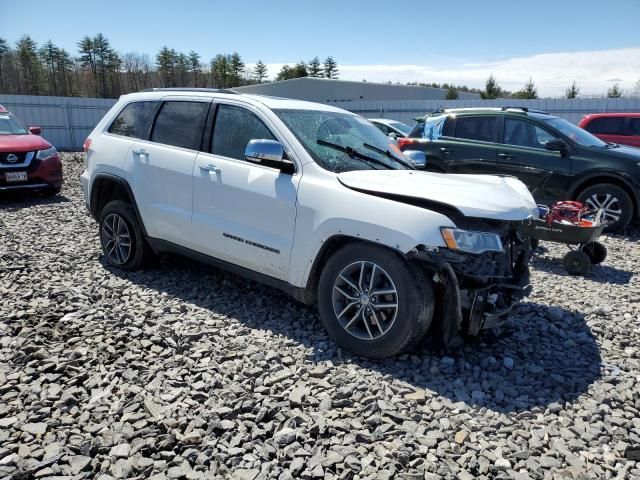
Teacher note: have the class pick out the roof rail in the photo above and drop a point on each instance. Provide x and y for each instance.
(189, 89)
(524, 109)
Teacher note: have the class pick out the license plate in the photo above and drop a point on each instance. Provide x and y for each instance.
(15, 176)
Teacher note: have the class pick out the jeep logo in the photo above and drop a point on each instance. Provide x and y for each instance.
(11, 158)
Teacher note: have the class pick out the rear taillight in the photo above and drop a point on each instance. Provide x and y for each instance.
(403, 142)
(87, 145)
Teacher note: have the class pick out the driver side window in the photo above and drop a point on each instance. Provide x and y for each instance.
(525, 134)
(234, 128)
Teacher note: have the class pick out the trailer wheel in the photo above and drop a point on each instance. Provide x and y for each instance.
(596, 252)
(576, 262)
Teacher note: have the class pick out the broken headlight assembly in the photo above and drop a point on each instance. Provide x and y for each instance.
(471, 242)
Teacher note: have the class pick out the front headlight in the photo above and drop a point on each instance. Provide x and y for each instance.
(49, 152)
(472, 242)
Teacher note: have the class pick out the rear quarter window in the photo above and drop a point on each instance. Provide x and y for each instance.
(134, 120)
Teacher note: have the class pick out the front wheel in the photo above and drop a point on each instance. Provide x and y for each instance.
(615, 203)
(372, 302)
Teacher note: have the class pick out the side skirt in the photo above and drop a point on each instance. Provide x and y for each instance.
(302, 295)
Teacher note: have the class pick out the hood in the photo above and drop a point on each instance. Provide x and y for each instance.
(624, 152)
(22, 143)
(480, 196)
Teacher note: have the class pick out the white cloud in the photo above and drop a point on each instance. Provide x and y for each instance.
(593, 71)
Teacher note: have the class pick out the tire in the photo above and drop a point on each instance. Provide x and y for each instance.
(577, 262)
(596, 252)
(119, 216)
(397, 329)
(617, 204)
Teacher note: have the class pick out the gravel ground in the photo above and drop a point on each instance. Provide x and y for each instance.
(182, 371)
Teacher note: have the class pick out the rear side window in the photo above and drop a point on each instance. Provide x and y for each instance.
(433, 127)
(134, 120)
(606, 126)
(234, 127)
(634, 126)
(476, 128)
(180, 124)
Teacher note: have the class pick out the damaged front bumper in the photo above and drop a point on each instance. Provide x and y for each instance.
(477, 291)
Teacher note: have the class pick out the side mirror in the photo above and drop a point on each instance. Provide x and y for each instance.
(417, 157)
(557, 145)
(35, 130)
(269, 153)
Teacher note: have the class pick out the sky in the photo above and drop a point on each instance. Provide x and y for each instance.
(555, 42)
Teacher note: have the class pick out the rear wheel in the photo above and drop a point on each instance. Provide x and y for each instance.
(51, 191)
(372, 302)
(576, 262)
(123, 243)
(615, 203)
(596, 252)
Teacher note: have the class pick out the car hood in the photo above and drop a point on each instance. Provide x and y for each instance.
(22, 143)
(623, 151)
(480, 196)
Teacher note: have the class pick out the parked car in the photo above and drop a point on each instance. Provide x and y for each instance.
(556, 159)
(313, 200)
(27, 161)
(622, 128)
(392, 128)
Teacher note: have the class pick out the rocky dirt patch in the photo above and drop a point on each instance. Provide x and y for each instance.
(184, 372)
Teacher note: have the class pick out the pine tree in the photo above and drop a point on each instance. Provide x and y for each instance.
(260, 71)
(29, 65)
(314, 68)
(331, 68)
(573, 91)
(194, 68)
(4, 50)
(236, 67)
(614, 91)
(165, 64)
(220, 71)
(529, 91)
(491, 88)
(285, 73)
(452, 94)
(300, 70)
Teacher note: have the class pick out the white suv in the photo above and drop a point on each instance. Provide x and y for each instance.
(315, 201)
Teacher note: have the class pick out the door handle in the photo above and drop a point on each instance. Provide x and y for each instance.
(506, 156)
(140, 151)
(445, 150)
(209, 167)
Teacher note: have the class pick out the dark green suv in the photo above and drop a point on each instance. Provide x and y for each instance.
(555, 159)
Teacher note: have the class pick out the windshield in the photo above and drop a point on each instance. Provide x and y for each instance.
(403, 127)
(575, 133)
(10, 126)
(328, 135)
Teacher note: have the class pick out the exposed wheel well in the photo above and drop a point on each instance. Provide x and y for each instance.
(105, 189)
(590, 182)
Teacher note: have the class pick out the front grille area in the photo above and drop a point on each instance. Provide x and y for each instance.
(4, 157)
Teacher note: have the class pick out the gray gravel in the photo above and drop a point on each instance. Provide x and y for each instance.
(186, 372)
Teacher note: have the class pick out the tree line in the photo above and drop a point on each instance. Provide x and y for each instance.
(97, 70)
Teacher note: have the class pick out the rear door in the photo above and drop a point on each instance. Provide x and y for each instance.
(162, 168)
(634, 132)
(243, 212)
(472, 147)
(522, 153)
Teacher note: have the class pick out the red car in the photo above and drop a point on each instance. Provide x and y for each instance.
(27, 161)
(622, 128)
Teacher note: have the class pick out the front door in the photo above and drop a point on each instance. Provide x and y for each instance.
(243, 212)
(523, 155)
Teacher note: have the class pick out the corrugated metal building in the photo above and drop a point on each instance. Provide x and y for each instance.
(325, 90)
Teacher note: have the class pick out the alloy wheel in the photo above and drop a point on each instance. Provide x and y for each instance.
(609, 204)
(116, 239)
(365, 300)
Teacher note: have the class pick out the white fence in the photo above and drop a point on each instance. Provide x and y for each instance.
(572, 110)
(66, 121)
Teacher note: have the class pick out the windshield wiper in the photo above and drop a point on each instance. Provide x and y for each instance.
(353, 153)
(390, 155)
